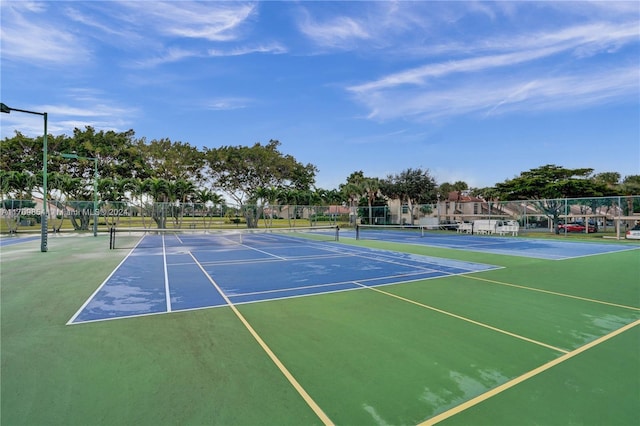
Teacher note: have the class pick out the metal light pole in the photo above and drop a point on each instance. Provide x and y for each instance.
(43, 219)
(95, 187)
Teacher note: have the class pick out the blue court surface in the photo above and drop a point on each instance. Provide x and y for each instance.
(511, 246)
(176, 276)
(9, 241)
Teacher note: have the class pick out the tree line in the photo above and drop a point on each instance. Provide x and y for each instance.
(135, 170)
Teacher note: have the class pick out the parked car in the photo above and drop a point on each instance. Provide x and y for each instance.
(633, 233)
(575, 227)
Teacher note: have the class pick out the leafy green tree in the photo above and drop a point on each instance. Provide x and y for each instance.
(446, 188)
(241, 171)
(22, 153)
(411, 187)
(549, 185)
(611, 179)
(630, 186)
(172, 161)
(118, 152)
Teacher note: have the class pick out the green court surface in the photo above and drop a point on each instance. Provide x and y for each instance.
(550, 342)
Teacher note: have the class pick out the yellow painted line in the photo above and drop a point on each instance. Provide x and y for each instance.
(550, 292)
(526, 376)
(481, 324)
(296, 385)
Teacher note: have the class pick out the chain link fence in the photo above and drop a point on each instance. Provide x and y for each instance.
(605, 214)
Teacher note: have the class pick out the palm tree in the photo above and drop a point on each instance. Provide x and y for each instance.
(291, 198)
(4, 183)
(18, 185)
(330, 198)
(371, 187)
(352, 193)
(56, 184)
(269, 197)
(203, 197)
(159, 190)
(71, 190)
(132, 190)
(313, 200)
(179, 193)
(21, 184)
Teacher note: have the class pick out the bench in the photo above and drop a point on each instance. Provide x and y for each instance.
(509, 227)
(465, 228)
(485, 226)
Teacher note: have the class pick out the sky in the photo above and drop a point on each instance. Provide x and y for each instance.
(470, 91)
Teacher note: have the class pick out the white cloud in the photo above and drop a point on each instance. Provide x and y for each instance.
(228, 103)
(170, 55)
(82, 107)
(274, 48)
(493, 79)
(581, 39)
(336, 32)
(214, 21)
(418, 76)
(506, 94)
(28, 35)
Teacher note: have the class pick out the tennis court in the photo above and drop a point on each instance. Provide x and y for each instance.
(181, 271)
(272, 330)
(8, 241)
(529, 247)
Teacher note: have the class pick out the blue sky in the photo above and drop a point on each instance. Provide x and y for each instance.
(471, 91)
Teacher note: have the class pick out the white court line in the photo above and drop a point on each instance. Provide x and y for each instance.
(356, 282)
(265, 252)
(166, 275)
(296, 385)
(84, 305)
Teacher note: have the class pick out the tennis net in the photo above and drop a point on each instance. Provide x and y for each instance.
(400, 232)
(127, 238)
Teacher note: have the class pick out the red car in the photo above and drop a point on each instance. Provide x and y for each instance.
(575, 227)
